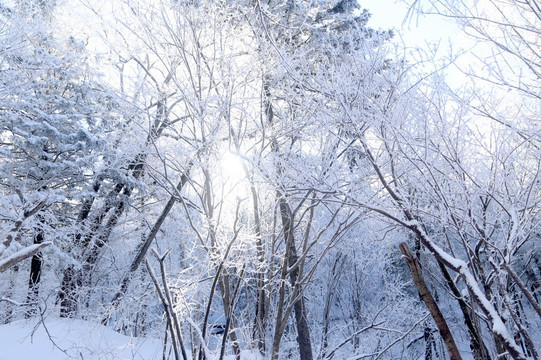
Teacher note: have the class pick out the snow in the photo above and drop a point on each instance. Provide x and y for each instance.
(245, 355)
(21, 255)
(498, 327)
(29, 339)
(60, 338)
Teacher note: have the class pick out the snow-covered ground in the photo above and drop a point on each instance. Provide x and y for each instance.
(56, 339)
(59, 339)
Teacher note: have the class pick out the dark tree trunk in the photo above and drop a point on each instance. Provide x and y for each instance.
(68, 292)
(35, 276)
(303, 329)
(429, 343)
(477, 345)
(430, 303)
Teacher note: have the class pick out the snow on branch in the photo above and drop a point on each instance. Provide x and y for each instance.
(20, 255)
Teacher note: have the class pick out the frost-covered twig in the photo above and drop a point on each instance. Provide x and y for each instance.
(199, 334)
(165, 306)
(371, 326)
(457, 265)
(12, 302)
(397, 340)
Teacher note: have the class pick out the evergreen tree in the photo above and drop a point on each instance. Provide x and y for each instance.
(52, 125)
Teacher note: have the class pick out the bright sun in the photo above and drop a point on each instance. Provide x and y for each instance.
(234, 176)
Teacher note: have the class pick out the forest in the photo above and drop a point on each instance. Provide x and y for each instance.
(272, 179)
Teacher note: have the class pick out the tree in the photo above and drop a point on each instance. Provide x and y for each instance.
(52, 119)
(272, 157)
(436, 192)
(307, 42)
(508, 32)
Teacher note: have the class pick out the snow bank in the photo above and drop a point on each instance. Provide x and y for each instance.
(244, 355)
(59, 339)
(73, 339)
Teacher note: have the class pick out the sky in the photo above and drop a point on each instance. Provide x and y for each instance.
(427, 32)
(425, 37)
(416, 30)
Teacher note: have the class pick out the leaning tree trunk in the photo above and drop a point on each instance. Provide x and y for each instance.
(498, 326)
(477, 345)
(145, 245)
(430, 303)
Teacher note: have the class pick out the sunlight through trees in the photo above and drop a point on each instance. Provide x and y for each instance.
(272, 179)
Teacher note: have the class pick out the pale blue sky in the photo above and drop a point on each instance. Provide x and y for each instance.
(417, 30)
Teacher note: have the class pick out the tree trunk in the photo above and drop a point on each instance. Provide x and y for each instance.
(35, 276)
(145, 245)
(477, 346)
(301, 322)
(430, 303)
(68, 293)
(260, 319)
(303, 329)
(499, 330)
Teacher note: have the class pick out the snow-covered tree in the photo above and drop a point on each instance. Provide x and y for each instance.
(52, 126)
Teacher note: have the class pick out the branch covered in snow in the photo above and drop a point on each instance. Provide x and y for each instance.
(21, 255)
